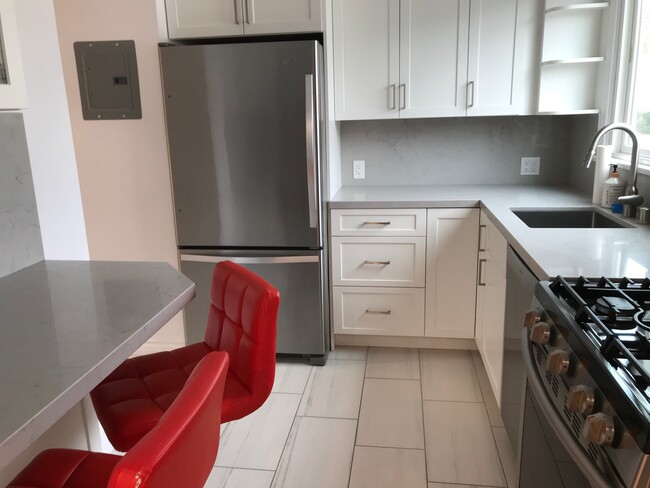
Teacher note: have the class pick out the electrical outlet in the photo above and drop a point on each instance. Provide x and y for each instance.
(530, 166)
(358, 170)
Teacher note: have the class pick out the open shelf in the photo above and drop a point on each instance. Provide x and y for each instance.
(578, 6)
(593, 59)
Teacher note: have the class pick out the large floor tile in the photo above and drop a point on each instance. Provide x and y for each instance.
(381, 467)
(355, 353)
(239, 478)
(334, 390)
(291, 376)
(460, 446)
(508, 460)
(486, 389)
(449, 376)
(318, 454)
(391, 414)
(257, 441)
(393, 362)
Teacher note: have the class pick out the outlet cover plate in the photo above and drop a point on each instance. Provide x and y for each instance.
(358, 170)
(530, 166)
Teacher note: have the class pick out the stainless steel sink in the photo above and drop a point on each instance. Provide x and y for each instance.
(570, 218)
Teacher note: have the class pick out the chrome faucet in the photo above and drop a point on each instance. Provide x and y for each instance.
(631, 199)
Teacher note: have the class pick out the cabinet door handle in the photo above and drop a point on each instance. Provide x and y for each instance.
(377, 312)
(481, 246)
(237, 21)
(402, 96)
(481, 262)
(470, 89)
(391, 97)
(383, 263)
(248, 15)
(376, 222)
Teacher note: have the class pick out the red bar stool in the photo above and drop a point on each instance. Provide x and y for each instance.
(241, 321)
(179, 451)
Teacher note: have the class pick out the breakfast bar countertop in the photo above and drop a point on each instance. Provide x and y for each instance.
(65, 326)
(611, 252)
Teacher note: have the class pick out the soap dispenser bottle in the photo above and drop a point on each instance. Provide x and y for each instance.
(613, 188)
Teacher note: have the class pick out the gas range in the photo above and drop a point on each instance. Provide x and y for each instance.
(589, 341)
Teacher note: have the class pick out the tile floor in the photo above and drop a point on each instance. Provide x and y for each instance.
(371, 417)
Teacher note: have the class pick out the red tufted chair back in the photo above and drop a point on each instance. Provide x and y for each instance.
(180, 451)
(242, 321)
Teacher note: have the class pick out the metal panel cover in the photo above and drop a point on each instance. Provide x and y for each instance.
(108, 80)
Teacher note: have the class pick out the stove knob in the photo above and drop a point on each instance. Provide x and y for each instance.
(558, 362)
(540, 333)
(580, 399)
(599, 428)
(532, 317)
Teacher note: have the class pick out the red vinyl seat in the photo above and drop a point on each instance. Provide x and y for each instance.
(241, 321)
(179, 451)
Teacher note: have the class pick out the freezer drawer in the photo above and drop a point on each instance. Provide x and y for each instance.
(303, 318)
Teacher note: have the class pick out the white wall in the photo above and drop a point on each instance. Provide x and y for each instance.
(122, 164)
(49, 136)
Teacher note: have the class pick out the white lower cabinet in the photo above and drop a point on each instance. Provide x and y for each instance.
(420, 283)
(490, 303)
(378, 311)
(452, 249)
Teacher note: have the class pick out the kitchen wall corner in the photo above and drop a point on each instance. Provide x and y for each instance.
(123, 165)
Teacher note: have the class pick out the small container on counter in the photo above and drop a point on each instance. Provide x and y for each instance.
(613, 188)
(617, 208)
(644, 215)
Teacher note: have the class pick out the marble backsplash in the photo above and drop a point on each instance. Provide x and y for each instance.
(20, 233)
(473, 150)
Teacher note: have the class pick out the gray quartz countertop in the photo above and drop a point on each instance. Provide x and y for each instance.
(547, 252)
(64, 326)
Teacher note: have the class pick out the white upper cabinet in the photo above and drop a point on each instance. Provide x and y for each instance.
(12, 81)
(219, 18)
(433, 57)
(366, 59)
(453, 57)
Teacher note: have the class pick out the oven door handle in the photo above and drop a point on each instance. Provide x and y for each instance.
(573, 448)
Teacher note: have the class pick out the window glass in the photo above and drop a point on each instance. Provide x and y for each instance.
(638, 95)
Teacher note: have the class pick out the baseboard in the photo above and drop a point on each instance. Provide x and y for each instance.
(412, 342)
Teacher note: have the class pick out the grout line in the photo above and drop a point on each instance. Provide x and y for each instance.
(356, 433)
(392, 447)
(424, 430)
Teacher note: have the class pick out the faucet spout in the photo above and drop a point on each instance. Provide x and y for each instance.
(631, 188)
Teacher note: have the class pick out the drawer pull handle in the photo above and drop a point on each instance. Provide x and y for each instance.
(383, 263)
(481, 262)
(378, 312)
(375, 222)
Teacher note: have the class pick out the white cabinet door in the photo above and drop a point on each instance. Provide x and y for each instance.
(490, 303)
(433, 57)
(204, 18)
(491, 58)
(366, 59)
(452, 251)
(282, 16)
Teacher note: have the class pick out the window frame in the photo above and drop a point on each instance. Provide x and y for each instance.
(622, 142)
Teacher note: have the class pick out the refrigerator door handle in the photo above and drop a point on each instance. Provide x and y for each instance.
(310, 132)
(202, 258)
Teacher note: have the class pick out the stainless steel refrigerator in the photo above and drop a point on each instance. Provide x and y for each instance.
(245, 131)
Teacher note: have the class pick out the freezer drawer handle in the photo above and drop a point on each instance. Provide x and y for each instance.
(383, 263)
(370, 222)
(199, 258)
(378, 312)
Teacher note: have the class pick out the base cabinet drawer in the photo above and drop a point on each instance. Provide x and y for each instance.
(378, 261)
(378, 311)
(379, 222)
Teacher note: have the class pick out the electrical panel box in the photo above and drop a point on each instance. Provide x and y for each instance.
(108, 80)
